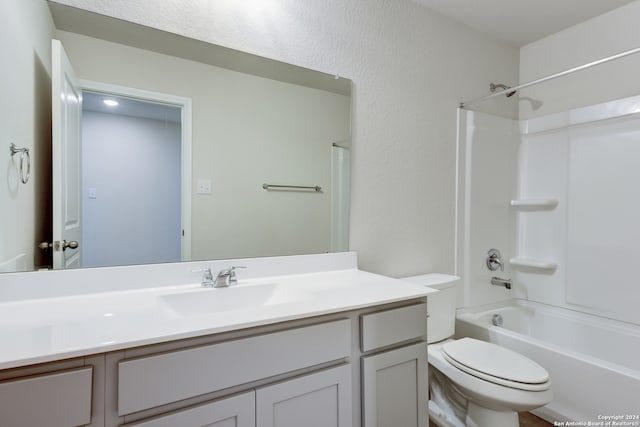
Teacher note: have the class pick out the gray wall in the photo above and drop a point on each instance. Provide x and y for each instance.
(25, 120)
(134, 166)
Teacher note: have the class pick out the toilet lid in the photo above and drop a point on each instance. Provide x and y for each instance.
(495, 363)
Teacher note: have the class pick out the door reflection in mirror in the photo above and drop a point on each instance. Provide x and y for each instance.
(131, 193)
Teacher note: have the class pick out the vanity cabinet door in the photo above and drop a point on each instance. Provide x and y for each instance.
(394, 387)
(235, 411)
(38, 400)
(322, 399)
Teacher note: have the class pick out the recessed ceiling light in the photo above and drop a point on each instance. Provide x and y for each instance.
(110, 102)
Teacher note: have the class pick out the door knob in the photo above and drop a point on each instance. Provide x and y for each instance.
(71, 245)
(45, 245)
(57, 245)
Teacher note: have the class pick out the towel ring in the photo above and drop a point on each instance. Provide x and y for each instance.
(24, 152)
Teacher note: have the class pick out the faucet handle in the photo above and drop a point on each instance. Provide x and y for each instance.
(232, 274)
(494, 260)
(207, 276)
(232, 270)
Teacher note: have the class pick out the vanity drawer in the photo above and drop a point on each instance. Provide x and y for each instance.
(169, 377)
(60, 399)
(393, 326)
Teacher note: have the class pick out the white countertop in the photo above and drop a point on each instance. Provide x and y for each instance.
(37, 330)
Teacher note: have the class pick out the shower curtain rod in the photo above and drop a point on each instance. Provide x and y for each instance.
(552, 76)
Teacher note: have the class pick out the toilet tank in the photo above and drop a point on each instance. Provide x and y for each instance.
(441, 305)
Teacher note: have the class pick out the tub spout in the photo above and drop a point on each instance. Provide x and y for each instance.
(496, 281)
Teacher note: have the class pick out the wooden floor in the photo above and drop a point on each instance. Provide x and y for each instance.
(526, 420)
(530, 420)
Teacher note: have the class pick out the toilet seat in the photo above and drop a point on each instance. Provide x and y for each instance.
(496, 364)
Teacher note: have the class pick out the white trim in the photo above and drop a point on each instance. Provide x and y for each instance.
(186, 179)
(185, 105)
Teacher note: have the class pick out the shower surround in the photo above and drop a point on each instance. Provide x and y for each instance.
(558, 195)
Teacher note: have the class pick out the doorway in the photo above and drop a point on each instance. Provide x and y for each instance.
(135, 169)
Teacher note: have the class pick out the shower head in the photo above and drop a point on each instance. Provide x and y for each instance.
(534, 103)
(495, 86)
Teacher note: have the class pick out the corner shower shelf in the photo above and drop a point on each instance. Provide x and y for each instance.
(549, 203)
(539, 264)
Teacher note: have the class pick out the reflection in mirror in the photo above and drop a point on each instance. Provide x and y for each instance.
(253, 121)
(131, 174)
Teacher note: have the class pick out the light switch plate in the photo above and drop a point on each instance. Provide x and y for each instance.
(203, 186)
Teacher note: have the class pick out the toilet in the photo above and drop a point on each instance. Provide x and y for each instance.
(471, 382)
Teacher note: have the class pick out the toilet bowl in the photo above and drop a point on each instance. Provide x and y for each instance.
(475, 383)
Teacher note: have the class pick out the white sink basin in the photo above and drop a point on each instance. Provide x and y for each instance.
(234, 298)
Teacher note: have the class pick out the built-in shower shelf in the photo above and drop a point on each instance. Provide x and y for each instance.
(549, 203)
(540, 264)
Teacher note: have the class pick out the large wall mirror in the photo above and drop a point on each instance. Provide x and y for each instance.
(188, 151)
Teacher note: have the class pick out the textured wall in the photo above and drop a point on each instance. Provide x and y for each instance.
(410, 68)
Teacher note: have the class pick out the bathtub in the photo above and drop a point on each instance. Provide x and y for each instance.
(594, 362)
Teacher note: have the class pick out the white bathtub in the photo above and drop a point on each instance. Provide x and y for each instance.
(594, 362)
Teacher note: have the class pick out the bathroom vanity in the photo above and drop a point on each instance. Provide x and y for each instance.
(326, 346)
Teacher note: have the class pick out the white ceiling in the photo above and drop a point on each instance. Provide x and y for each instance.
(519, 22)
(131, 107)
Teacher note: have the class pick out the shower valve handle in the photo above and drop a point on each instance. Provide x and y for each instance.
(494, 260)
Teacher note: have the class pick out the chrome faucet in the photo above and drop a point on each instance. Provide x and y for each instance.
(496, 281)
(226, 277)
(494, 260)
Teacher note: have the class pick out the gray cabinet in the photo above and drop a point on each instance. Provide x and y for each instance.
(297, 373)
(394, 387)
(235, 411)
(292, 376)
(394, 367)
(322, 399)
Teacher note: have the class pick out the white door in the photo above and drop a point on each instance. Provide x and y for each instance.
(66, 118)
